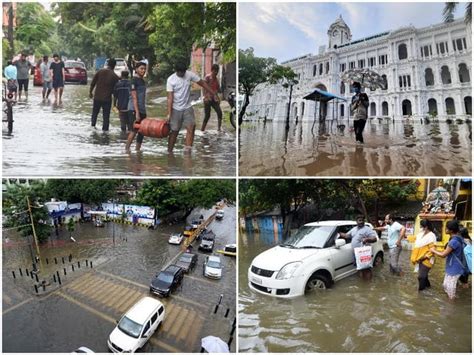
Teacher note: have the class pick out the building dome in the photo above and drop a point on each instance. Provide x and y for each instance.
(339, 33)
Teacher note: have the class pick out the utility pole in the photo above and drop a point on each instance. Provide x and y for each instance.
(34, 232)
(11, 42)
(289, 109)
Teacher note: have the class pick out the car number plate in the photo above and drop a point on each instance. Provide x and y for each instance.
(257, 281)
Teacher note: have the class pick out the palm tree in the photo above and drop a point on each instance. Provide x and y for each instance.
(450, 8)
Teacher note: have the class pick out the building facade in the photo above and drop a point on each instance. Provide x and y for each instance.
(427, 72)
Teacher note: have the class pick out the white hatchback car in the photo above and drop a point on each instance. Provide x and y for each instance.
(137, 326)
(176, 238)
(314, 258)
(212, 267)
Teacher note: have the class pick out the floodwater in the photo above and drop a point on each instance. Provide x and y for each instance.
(137, 255)
(391, 148)
(384, 315)
(57, 140)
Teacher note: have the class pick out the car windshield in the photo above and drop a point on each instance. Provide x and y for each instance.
(74, 65)
(165, 277)
(120, 63)
(214, 264)
(129, 327)
(309, 237)
(175, 236)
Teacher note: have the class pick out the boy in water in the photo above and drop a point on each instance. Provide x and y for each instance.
(122, 92)
(136, 106)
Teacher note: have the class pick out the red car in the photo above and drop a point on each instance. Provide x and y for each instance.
(37, 78)
(75, 72)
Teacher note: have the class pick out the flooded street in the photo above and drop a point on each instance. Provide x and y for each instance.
(400, 148)
(384, 315)
(57, 140)
(83, 311)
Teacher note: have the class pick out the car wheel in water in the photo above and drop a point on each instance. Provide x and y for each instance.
(317, 282)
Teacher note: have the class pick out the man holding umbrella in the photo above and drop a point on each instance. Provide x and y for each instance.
(359, 106)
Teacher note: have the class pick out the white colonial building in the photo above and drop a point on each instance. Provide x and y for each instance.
(427, 70)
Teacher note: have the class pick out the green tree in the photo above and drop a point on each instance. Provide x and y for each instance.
(91, 191)
(286, 77)
(450, 9)
(252, 72)
(16, 211)
(35, 25)
(160, 194)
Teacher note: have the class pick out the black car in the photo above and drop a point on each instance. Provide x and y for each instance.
(187, 261)
(207, 241)
(167, 280)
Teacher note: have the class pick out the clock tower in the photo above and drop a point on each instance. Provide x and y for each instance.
(339, 33)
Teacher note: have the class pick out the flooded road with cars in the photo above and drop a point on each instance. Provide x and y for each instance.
(110, 270)
(386, 314)
(51, 139)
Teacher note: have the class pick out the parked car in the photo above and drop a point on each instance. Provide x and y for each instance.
(187, 262)
(176, 238)
(82, 350)
(207, 241)
(167, 281)
(37, 77)
(75, 71)
(188, 231)
(121, 65)
(230, 248)
(219, 214)
(314, 258)
(212, 267)
(137, 326)
(195, 223)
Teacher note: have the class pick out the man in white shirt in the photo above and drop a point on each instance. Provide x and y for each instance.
(396, 233)
(180, 111)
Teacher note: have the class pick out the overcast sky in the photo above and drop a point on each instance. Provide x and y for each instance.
(288, 30)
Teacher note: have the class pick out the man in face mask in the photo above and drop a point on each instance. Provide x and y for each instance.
(359, 105)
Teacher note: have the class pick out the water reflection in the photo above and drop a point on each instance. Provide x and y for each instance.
(385, 315)
(56, 140)
(408, 147)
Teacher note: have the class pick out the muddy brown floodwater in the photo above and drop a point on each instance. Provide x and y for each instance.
(57, 140)
(384, 315)
(392, 148)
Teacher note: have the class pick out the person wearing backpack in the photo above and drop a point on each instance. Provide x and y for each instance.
(464, 279)
(455, 262)
(121, 101)
(359, 106)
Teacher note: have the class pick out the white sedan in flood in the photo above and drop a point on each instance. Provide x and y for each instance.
(176, 238)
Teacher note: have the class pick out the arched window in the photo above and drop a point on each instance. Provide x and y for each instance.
(342, 110)
(314, 70)
(385, 108)
(384, 77)
(468, 105)
(302, 109)
(432, 107)
(327, 67)
(373, 110)
(445, 75)
(464, 73)
(343, 88)
(320, 68)
(429, 77)
(402, 51)
(450, 108)
(406, 108)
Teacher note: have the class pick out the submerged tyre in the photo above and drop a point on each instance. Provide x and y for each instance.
(317, 282)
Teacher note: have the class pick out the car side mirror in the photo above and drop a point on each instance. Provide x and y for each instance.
(340, 243)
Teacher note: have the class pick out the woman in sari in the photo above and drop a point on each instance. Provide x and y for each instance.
(421, 256)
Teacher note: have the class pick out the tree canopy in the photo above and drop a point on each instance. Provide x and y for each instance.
(327, 195)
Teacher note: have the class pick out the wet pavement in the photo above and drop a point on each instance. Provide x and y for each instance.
(83, 310)
(391, 148)
(384, 315)
(57, 140)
